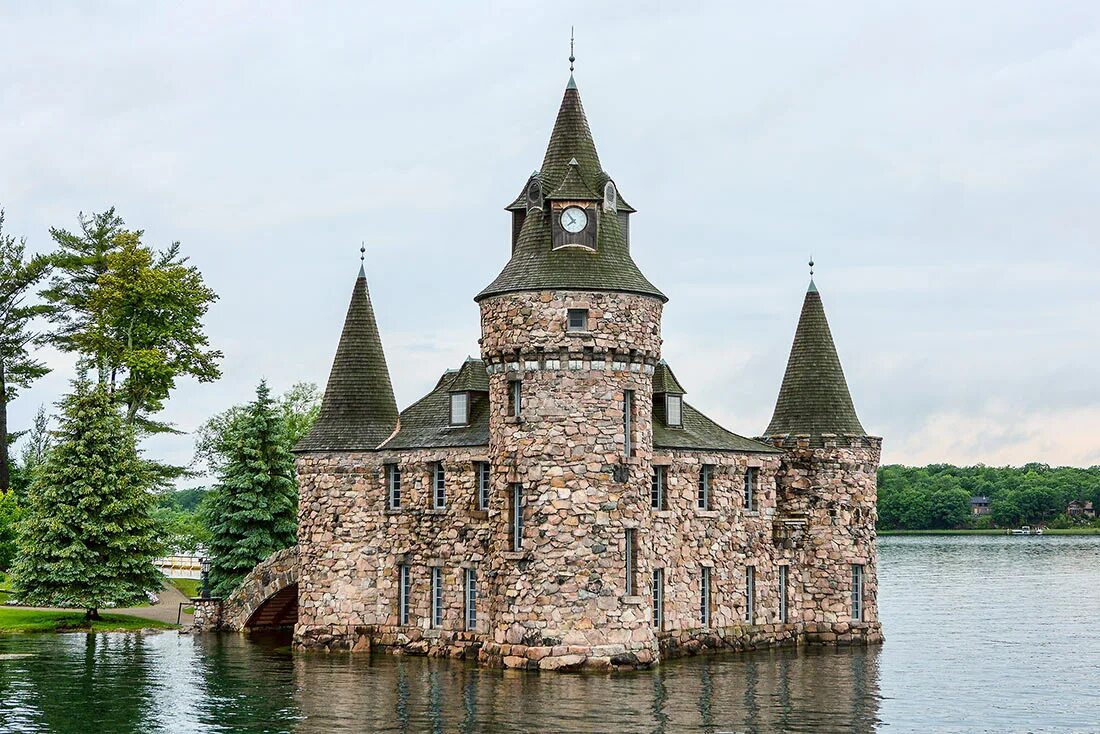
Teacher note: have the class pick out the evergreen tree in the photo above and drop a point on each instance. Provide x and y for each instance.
(88, 538)
(253, 510)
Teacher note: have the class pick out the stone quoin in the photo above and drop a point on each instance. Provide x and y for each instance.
(555, 503)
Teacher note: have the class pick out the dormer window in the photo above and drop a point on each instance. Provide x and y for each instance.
(578, 319)
(674, 410)
(610, 198)
(534, 195)
(460, 408)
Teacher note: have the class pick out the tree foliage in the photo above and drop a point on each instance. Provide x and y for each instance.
(132, 313)
(214, 440)
(252, 512)
(938, 496)
(18, 366)
(89, 538)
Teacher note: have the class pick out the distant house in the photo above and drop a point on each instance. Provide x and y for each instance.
(1081, 509)
(979, 506)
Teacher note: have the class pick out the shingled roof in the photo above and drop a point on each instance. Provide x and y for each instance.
(535, 265)
(426, 423)
(814, 398)
(358, 411)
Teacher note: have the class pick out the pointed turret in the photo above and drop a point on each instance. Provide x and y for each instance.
(814, 398)
(571, 175)
(358, 411)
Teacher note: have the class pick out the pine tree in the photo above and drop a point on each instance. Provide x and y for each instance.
(88, 538)
(253, 511)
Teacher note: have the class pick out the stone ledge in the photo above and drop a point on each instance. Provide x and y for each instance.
(633, 601)
(516, 555)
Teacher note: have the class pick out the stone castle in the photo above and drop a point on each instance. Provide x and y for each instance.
(556, 503)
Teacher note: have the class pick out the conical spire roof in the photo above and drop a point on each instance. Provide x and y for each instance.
(814, 398)
(358, 411)
(570, 169)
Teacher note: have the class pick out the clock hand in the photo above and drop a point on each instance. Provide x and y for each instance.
(572, 219)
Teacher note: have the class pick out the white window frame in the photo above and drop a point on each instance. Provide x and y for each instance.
(857, 592)
(482, 471)
(439, 487)
(582, 326)
(673, 399)
(470, 605)
(437, 597)
(658, 598)
(461, 401)
(749, 494)
(750, 594)
(517, 516)
(706, 475)
(515, 398)
(393, 486)
(630, 537)
(628, 423)
(657, 487)
(404, 592)
(704, 596)
(784, 581)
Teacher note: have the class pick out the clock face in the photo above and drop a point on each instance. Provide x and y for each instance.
(573, 219)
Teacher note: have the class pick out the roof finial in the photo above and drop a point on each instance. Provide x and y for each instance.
(813, 286)
(572, 58)
(811, 266)
(362, 255)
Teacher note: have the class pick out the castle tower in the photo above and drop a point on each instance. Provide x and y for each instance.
(571, 335)
(828, 481)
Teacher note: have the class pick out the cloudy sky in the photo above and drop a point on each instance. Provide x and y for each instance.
(939, 160)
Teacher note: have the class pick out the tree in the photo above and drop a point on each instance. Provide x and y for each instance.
(253, 510)
(37, 444)
(132, 313)
(10, 513)
(949, 508)
(88, 538)
(18, 368)
(214, 440)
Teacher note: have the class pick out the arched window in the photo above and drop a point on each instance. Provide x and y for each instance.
(610, 197)
(534, 195)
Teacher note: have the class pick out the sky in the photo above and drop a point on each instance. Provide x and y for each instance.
(939, 160)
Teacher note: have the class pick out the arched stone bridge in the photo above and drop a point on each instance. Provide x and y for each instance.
(267, 598)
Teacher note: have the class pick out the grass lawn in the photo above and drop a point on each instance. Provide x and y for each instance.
(187, 587)
(30, 620)
(1001, 531)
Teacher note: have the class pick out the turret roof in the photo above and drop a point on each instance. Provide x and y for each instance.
(358, 410)
(814, 398)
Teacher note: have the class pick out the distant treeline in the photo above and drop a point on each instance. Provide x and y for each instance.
(937, 496)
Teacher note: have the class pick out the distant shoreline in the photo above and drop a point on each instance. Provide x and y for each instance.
(1001, 531)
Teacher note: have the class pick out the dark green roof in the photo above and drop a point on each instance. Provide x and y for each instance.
(573, 187)
(665, 381)
(358, 411)
(535, 265)
(814, 398)
(426, 423)
(700, 433)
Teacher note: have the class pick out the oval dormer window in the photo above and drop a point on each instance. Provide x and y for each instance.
(610, 197)
(534, 195)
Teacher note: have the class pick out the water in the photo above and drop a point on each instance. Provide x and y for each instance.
(984, 634)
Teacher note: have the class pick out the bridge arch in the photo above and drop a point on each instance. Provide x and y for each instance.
(267, 598)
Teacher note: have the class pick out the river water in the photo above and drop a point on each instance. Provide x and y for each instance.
(983, 634)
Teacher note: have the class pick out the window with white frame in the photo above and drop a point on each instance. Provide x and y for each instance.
(471, 599)
(674, 410)
(704, 596)
(706, 474)
(437, 596)
(750, 490)
(659, 598)
(783, 571)
(750, 594)
(517, 516)
(482, 470)
(439, 483)
(628, 422)
(460, 408)
(515, 398)
(657, 487)
(631, 558)
(578, 319)
(404, 593)
(393, 486)
(857, 592)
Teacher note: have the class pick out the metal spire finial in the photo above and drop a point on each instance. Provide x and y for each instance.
(362, 250)
(572, 58)
(811, 266)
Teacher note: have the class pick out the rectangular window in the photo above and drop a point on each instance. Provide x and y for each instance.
(393, 483)
(471, 599)
(517, 516)
(750, 489)
(659, 598)
(657, 488)
(631, 562)
(750, 594)
(628, 422)
(706, 471)
(439, 481)
(460, 404)
(704, 596)
(515, 398)
(783, 570)
(578, 319)
(404, 593)
(437, 597)
(857, 592)
(674, 413)
(482, 470)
